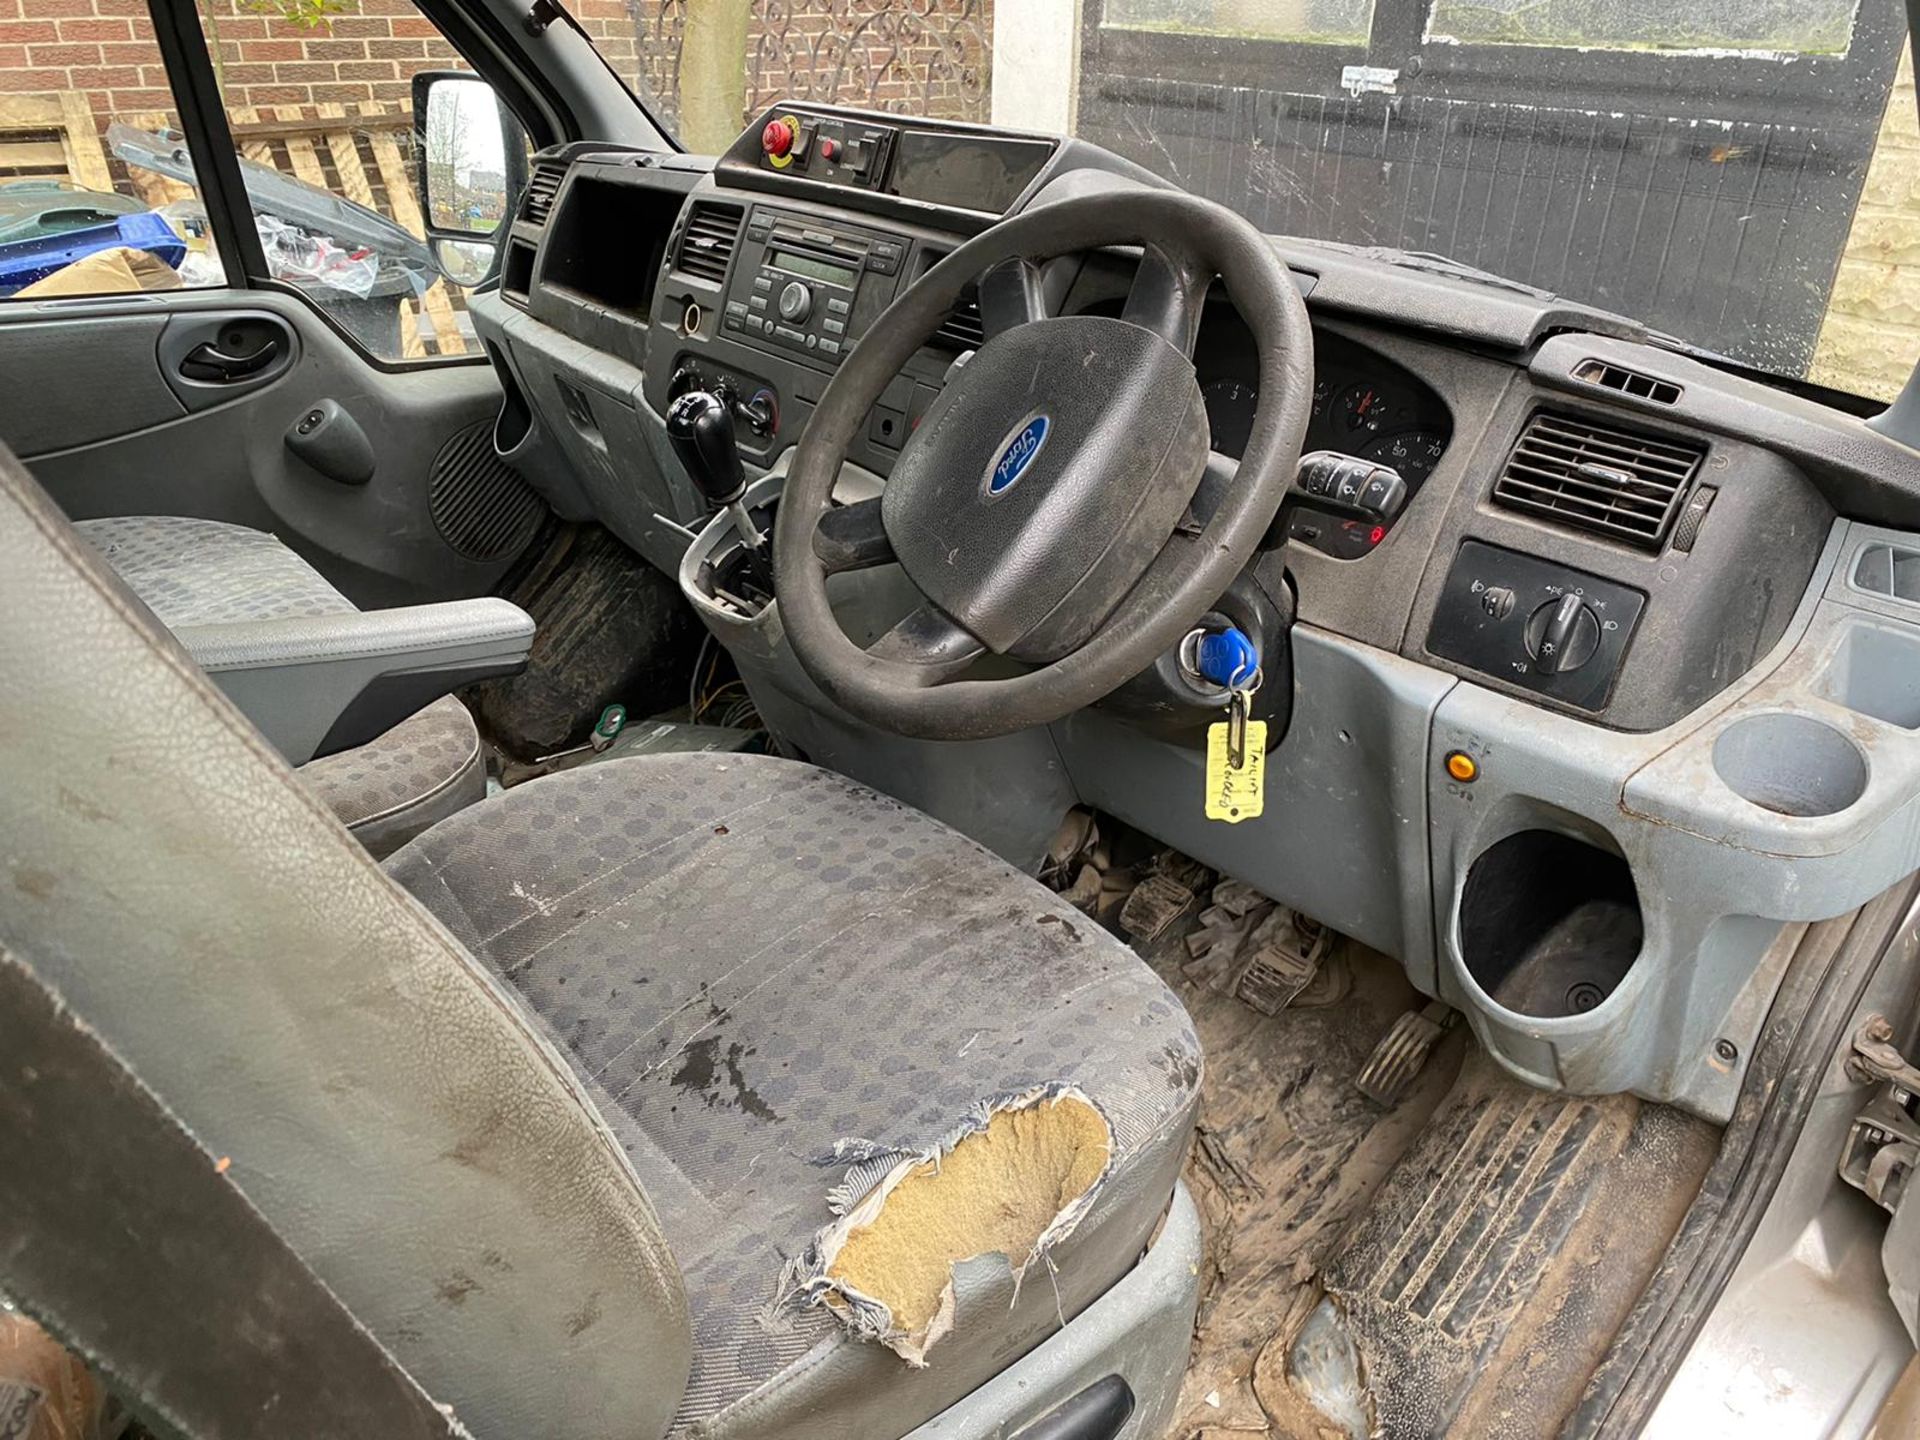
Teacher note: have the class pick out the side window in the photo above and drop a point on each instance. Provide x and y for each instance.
(319, 99)
(1807, 27)
(1328, 22)
(97, 195)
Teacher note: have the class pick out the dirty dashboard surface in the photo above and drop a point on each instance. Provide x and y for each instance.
(1628, 644)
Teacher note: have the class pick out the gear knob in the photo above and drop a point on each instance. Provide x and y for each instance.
(701, 428)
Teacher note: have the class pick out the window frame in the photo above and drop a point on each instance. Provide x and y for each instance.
(223, 192)
(1807, 88)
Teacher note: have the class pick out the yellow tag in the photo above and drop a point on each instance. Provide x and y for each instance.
(1236, 795)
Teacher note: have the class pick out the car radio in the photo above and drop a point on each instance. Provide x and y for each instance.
(808, 288)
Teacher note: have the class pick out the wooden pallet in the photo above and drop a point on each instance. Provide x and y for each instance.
(52, 137)
(353, 151)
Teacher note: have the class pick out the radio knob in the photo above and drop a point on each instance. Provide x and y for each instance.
(796, 302)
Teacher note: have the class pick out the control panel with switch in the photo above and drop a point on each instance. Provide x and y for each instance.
(1351, 504)
(825, 147)
(1559, 632)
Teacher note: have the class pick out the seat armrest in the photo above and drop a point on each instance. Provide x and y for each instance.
(322, 683)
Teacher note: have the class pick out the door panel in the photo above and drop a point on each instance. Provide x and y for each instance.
(118, 421)
(90, 381)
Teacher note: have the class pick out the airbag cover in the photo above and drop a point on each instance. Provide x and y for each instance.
(1046, 478)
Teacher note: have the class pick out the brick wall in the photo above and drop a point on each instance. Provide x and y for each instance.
(370, 52)
(106, 49)
(1871, 334)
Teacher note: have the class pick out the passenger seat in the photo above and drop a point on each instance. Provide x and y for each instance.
(317, 674)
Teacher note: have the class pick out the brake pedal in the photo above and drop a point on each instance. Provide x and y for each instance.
(1403, 1053)
(1288, 951)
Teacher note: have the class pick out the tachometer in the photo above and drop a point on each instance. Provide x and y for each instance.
(1413, 453)
(1230, 409)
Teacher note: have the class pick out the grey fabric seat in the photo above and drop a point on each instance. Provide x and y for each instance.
(194, 573)
(387, 791)
(748, 960)
(191, 571)
(313, 672)
(552, 1124)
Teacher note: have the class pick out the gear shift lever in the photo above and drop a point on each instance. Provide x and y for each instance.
(701, 428)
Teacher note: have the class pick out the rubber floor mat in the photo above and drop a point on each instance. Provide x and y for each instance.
(1287, 1156)
(1498, 1260)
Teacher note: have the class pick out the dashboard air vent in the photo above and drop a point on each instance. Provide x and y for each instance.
(1594, 477)
(963, 328)
(541, 188)
(1627, 382)
(706, 245)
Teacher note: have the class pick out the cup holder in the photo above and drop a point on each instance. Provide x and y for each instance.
(1549, 925)
(1791, 764)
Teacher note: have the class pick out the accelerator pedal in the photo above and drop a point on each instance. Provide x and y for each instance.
(1403, 1053)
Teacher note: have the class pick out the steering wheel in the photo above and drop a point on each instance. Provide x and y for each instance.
(1041, 507)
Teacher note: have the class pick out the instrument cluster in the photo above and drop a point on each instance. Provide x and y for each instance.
(1362, 405)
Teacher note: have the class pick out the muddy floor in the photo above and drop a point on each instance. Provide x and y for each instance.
(1468, 1243)
(1288, 1154)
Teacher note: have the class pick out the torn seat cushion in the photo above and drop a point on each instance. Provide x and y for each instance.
(750, 960)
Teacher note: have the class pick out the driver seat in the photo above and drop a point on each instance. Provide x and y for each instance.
(557, 1100)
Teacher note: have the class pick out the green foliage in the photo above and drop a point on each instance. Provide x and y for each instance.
(1813, 27)
(307, 14)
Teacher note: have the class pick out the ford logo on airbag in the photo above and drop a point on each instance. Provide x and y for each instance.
(1017, 454)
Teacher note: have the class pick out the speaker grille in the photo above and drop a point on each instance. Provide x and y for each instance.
(479, 503)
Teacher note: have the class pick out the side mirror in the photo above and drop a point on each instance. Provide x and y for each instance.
(470, 156)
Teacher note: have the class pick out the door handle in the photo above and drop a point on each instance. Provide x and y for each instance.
(209, 364)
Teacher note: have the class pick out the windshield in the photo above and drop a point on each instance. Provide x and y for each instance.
(1743, 175)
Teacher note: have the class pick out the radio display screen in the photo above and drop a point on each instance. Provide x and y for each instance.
(812, 267)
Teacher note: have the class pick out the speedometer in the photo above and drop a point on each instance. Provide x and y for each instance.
(1413, 453)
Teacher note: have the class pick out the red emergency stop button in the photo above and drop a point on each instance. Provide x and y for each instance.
(777, 139)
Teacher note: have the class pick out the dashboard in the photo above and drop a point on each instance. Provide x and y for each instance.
(1622, 598)
(631, 277)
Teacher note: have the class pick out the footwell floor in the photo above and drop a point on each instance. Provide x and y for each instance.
(1456, 1264)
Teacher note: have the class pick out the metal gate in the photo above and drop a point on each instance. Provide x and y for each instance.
(930, 57)
(1704, 189)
